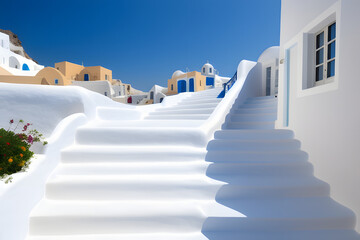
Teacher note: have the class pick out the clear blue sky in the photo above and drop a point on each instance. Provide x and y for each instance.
(144, 41)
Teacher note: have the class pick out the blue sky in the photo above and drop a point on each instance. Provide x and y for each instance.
(144, 41)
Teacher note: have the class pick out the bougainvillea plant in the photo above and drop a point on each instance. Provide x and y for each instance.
(15, 146)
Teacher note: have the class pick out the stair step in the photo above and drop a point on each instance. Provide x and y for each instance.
(136, 236)
(254, 134)
(256, 157)
(140, 136)
(250, 125)
(283, 169)
(241, 110)
(194, 106)
(132, 168)
(178, 116)
(258, 105)
(191, 101)
(246, 187)
(115, 217)
(253, 145)
(262, 98)
(183, 111)
(293, 234)
(140, 154)
(127, 187)
(254, 117)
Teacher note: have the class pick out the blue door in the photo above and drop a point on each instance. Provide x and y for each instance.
(209, 81)
(191, 85)
(86, 77)
(181, 86)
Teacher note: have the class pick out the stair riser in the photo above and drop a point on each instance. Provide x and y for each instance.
(254, 135)
(129, 191)
(177, 117)
(253, 118)
(253, 110)
(199, 101)
(128, 156)
(259, 105)
(276, 170)
(132, 169)
(154, 136)
(180, 112)
(256, 157)
(62, 225)
(252, 146)
(238, 125)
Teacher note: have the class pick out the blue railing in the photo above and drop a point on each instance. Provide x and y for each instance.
(228, 85)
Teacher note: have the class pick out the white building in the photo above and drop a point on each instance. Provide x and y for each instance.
(16, 64)
(319, 89)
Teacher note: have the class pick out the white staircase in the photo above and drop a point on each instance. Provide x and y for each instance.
(153, 179)
(270, 181)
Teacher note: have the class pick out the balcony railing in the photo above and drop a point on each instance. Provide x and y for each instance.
(228, 85)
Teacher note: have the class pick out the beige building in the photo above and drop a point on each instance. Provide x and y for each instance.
(63, 74)
(186, 82)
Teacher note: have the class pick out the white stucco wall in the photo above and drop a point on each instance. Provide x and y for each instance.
(325, 118)
(102, 87)
(269, 58)
(9, 59)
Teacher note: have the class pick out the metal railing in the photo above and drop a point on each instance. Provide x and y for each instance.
(228, 85)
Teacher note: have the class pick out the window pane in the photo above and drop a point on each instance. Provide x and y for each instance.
(320, 56)
(319, 73)
(331, 31)
(331, 68)
(331, 50)
(319, 40)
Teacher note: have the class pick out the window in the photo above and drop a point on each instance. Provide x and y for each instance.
(86, 77)
(325, 42)
(203, 70)
(105, 93)
(56, 81)
(200, 83)
(210, 70)
(268, 81)
(172, 87)
(106, 77)
(151, 95)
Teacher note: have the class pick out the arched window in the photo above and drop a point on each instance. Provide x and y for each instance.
(210, 70)
(86, 77)
(14, 63)
(56, 81)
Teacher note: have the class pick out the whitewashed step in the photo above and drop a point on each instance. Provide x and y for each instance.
(103, 187)
(194, 106)
(140, 136)
(114, 217)
(132, 168)
(254, 134)
(242, 110)
(200, 101)
(254, 117)
(253, 145)
(139, 154)
(286, 169)
(183, 111)
(258, 157)
(250, 125)
(283, 234)
(135, 236)
(178, 116)
(259, 104)
(245, 187)
(261, 98)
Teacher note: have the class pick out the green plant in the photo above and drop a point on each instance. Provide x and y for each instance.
(15, 151)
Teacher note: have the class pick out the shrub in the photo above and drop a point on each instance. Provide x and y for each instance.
(15, 151)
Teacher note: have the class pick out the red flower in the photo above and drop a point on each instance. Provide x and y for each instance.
(30, 139)
(11, 121)
(8, 143)
(25, 128)
(28, 124)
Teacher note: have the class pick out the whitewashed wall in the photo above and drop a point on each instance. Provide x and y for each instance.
(325, 118)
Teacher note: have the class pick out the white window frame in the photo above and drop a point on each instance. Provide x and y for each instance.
(325, 62)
